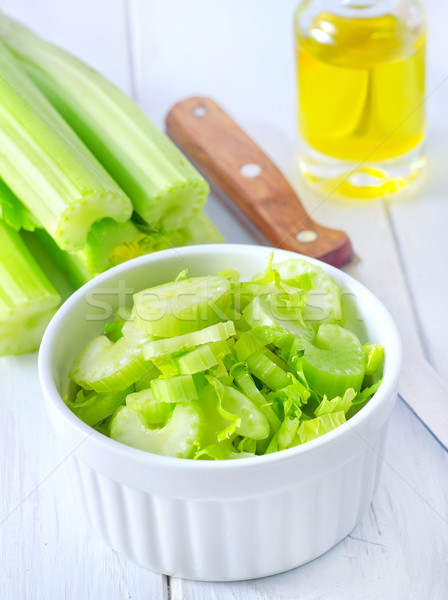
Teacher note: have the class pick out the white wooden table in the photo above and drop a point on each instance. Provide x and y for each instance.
(241, 53)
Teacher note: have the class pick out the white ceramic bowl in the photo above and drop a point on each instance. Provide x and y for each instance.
(217, 520)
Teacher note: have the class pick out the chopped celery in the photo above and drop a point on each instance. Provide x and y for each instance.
(252, 421)
(154, 411)
(181, 306)
(314, 428)
(46, 165)
(336, 404)
(214, 333)
(27, 298)
(267, 371)
(166, 190)
(375, 356)
(324, 298)
(334, 362)
(176, 438)
(93, 408)
(235, 388)
(174, 389)
(106, 366)
(202, 358)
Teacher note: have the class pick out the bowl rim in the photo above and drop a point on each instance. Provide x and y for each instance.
(53, 397)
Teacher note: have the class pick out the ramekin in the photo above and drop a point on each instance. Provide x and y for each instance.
(217, 520)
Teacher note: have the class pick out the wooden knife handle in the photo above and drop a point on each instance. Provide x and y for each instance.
(234, 164)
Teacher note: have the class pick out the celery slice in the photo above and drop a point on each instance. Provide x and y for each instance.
(154, 411)
(246, 384)
(252, 421)
(174, 389)
(181, 307)
(177, 438)
(202, 358)
(324, 300)
(93, 408)
(264, 369)
(166, 190)
(214, 333)
(27, 298)
(48, 167)
(106, 366)
(259, 313)
(375, 357)
(334, 362)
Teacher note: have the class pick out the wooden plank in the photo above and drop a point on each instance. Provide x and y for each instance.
(419, 221)
(46, 549)
(240, 54)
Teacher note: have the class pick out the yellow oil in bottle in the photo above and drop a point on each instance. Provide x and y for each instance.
(361, 84)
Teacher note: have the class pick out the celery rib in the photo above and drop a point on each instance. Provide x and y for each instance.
(45, 164)
(27, 298)
(165, 188)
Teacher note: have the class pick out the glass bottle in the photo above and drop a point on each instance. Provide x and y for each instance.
(361, 86)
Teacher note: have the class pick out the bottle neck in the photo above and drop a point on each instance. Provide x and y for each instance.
(359, 8)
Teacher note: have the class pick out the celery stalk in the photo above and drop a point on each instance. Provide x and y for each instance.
(165, 189)
(46, 165)
(57, 266)
(200, 230)
(27, 298)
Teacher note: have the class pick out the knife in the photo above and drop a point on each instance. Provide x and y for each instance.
(252, 187)
(245, 178)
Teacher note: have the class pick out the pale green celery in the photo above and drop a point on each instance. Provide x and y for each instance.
(375, 357)
(174, 389)
(314, 428)
(27, 298)
(13, 212)
(154, 411)
(110, 243)
(93, 408)
(165, 188)
(221, 451)
(246, 384)
(287, 433)
(202, 358)
(324, 299)
(177, 438)
(334, 362)
(252, 422)
(267, 371)
(200, 230)
(214, 333)
(181, 307)
(260, 313)
(336, 404)
(65, 270)
(255, 339)
(106, 366)
(220, 391)
(46, 165)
